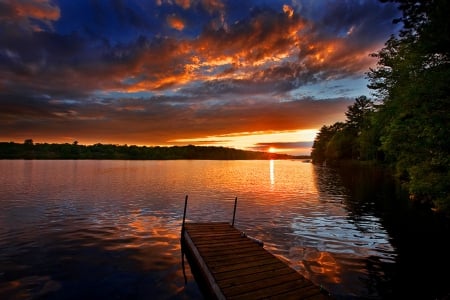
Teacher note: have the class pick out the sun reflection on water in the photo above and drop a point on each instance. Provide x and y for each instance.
(272, 171)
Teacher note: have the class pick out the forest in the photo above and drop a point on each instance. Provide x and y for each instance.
(406, 124)
(31, 150)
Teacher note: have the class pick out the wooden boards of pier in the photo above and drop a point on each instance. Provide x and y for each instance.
(229, 265)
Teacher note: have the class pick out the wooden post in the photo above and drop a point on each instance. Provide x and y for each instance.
(182, 240)
(234, 211)
(184, 214)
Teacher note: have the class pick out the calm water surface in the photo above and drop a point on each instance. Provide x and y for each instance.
(111, 229)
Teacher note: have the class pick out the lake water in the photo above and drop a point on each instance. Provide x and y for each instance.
(99, 229)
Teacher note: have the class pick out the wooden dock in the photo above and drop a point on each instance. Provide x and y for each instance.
(229, 265)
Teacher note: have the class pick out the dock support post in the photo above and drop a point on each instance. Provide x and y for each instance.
(184, 215)
(234, 211)
(182, 240)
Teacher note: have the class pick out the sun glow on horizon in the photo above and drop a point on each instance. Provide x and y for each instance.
(252, 140)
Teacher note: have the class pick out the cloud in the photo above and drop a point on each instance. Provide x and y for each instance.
(286, 52)
(183, 3)
(153, 72)
(160, 119)
(35, 15)
(175, 22)
(211, 6)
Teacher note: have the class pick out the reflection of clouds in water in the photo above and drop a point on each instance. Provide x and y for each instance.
(155, 242)
(30, 287)
(315, 262)
(157, 246)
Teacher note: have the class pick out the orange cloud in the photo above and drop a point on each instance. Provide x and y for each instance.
(21, 11)
(282, 55)
(281, 52)
(269, 48)
(269, 36)
(42, 9)
(162, 120)
(175, 22)
(288, 10)
(183, 3)
(211, 6)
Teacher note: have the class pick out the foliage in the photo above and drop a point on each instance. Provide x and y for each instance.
(409, 128)
(340, 140)
(28, 150)
(322, 140)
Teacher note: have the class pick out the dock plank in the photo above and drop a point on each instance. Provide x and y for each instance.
(232, 266)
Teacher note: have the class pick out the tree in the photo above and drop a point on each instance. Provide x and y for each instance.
(412, 80)
(358, 112)
(341, 146)
(322, 140)
(341, 140)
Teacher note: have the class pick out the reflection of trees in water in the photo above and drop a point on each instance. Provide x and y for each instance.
(328, 183)
(418, 236)
(370, 195)
(365, 255)
(365, 191)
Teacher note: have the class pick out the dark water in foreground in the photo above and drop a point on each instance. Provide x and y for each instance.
(111, 229)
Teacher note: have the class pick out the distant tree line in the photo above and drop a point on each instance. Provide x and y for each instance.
(31, 150)
(407, 126)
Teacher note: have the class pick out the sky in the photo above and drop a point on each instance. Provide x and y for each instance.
(252, 75)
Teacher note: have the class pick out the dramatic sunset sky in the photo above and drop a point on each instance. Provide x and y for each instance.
(244, 74)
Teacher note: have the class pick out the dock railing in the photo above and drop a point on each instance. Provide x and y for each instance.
(185, 209)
